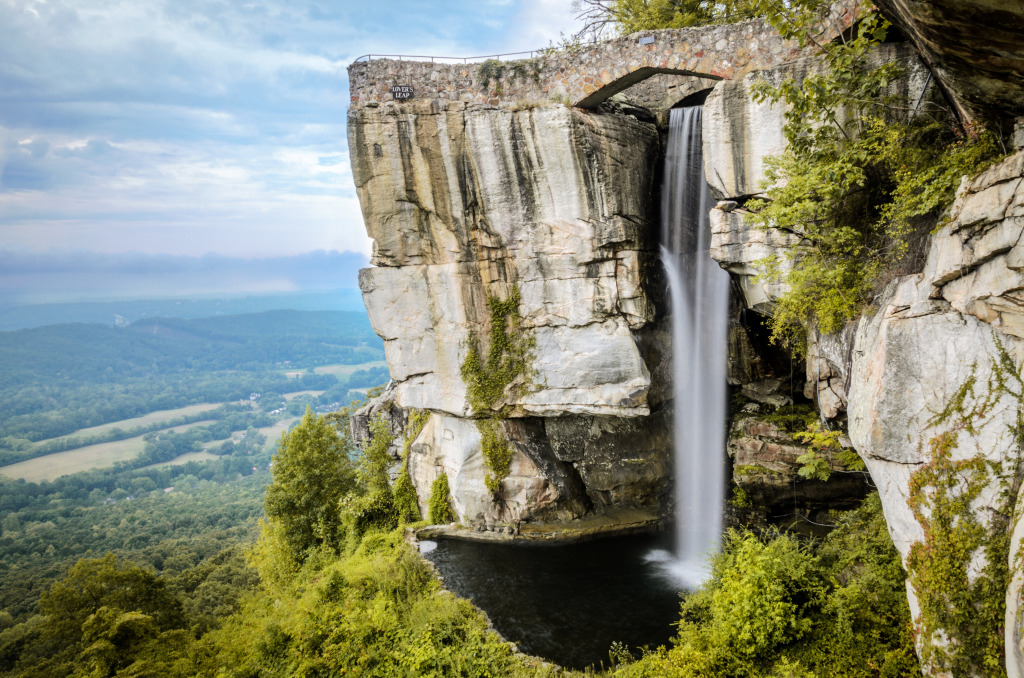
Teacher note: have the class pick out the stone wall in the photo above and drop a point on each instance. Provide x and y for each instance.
(590, 74)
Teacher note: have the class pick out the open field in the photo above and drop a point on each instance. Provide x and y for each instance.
(52, 466)
(274, 432)
(144, 420)
(346, 370)
(185, 427)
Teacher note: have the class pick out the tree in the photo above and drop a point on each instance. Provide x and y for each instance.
(312, 471)
(441, 512)
(629, 16)
(104, 582)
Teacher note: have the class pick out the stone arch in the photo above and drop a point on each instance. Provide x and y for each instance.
(635, 76)
(693, 99)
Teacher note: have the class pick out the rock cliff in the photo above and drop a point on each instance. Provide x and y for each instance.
(471, 203)
(898, 368)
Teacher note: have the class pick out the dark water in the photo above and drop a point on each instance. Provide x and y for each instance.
(567, 604)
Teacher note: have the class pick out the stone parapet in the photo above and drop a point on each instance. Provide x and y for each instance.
(588, 75)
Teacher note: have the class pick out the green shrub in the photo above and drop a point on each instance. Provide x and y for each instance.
(490, 382)
(407, 505)
(441, 512)
(777, 607)
(861, 181)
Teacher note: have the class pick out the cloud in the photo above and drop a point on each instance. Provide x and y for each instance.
(191, 126)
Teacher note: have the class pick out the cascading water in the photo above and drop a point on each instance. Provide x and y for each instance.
(699, 292)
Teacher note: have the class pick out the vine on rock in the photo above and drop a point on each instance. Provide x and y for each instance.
(494, 380)
(961, 569)
(406, 502)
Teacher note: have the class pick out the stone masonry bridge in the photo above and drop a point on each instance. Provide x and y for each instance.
(589, 75)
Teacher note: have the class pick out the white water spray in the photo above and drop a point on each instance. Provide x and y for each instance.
(699, 292)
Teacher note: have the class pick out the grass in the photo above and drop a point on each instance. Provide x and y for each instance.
(274, 432)
(183, 459)
(144, 420)
(100, 455)
(52, 466)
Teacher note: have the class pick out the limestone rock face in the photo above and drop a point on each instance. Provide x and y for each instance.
(974, 47)
(470, 202)
(931, 333)
(738, 247)
(465, 203)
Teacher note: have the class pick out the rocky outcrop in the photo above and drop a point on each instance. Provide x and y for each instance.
(765, 468)
(467, 203)
(973, 46)
(897, 367)
(933, 332)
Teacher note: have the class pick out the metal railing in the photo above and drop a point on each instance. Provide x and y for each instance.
(445, 59)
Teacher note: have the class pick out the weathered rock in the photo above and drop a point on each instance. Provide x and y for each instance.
(973, 46)
(739, 247)
(451, 445)
(765, 467)
(622, 461)
(464, 203)
(976, 262)
(470, 202)
(932, 333)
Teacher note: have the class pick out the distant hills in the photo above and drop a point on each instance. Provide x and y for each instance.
(126, 312)
(36, 287)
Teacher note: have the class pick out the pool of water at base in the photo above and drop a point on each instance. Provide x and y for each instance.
(567, 603)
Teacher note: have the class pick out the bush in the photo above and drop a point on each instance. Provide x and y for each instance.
(441, 512)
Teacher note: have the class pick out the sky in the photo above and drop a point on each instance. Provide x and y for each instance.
(196, 127)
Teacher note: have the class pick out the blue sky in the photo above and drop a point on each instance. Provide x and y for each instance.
(188, 127)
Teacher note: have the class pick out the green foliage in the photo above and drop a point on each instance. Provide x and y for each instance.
(489, 382)
(375, 462)
(497, 453)
(861, 180)
(775, 607)
(962, 612)
(441, 512)
(376, 612)
(824, 445)
(644, 15)
(105, 582)
(312, 472)
(407, 503)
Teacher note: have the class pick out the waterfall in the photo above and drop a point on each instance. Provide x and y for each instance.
(699, 293)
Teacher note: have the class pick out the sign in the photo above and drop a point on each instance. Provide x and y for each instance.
(647, 40)
(401, 92)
